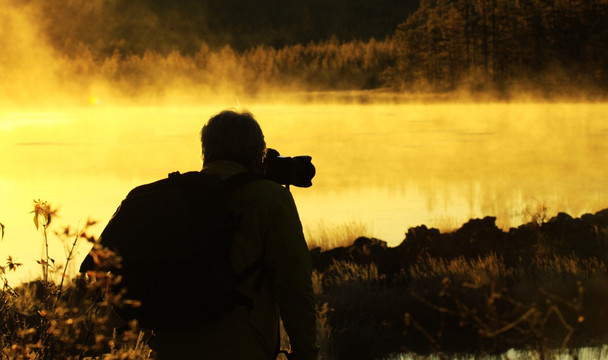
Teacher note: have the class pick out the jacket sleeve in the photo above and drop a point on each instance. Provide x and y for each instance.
(291, 269)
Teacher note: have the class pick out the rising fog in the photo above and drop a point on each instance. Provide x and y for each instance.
(111, 51)
(42, 64)
(105, 50)
(29, 69)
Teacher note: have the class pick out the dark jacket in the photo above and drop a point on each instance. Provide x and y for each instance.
(270, 229)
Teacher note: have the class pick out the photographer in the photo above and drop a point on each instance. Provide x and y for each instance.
(269, 231)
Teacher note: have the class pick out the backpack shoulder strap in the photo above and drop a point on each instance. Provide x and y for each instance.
(233, 183)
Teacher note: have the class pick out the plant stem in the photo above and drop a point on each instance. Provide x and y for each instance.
(67, 261)
(45, 265)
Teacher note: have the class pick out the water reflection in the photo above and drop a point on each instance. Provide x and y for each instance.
(594, 353)
(390, 166)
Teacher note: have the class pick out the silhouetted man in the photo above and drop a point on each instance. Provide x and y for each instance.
(269, 229)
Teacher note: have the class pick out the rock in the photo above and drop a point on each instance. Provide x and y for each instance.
(477, 237)
(420, 240)
(364, 246)
(584, 237)
(565, 235)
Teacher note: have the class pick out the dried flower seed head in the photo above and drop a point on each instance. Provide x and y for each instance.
(43, 213)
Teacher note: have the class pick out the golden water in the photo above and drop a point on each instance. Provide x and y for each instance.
(389, 167)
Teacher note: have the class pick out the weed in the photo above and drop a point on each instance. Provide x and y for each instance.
(44, 320)
(537, 214)
(329, 237)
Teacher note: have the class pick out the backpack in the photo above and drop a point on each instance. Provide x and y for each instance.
(175, 236)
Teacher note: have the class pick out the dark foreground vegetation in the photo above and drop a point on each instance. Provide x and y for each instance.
(480, 290)
(540, 287)
(69, 318)
(491, 49)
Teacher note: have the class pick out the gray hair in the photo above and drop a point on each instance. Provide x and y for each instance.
(233, 136)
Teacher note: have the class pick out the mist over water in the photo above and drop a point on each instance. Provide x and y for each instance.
(389, 167)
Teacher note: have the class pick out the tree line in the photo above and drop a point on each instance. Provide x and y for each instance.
(496, 46)
(164, 26)
(326, 66)
(550, 44)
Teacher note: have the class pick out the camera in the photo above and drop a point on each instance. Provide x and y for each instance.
(297, 170)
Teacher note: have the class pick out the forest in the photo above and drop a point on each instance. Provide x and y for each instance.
(552, 49)
(557, 45)
(164, 26)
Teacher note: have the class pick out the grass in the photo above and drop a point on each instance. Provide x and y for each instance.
(432, 308)
(548, 306)
(447, 308)
(328, 237)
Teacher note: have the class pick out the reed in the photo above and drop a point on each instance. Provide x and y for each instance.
(328, 237)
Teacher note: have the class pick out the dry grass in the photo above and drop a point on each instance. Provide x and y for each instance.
(328, 237)
(478, 272)
(445, 224)
(433, 307)
(557, 265)
(345, 273)
(440, 307)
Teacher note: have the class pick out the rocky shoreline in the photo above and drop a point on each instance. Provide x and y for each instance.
(476, 290)
(583, 237)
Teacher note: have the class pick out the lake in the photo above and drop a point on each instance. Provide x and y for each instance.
(385, 166)
(567, 354)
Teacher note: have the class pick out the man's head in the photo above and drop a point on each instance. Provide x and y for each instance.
(233, 136)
